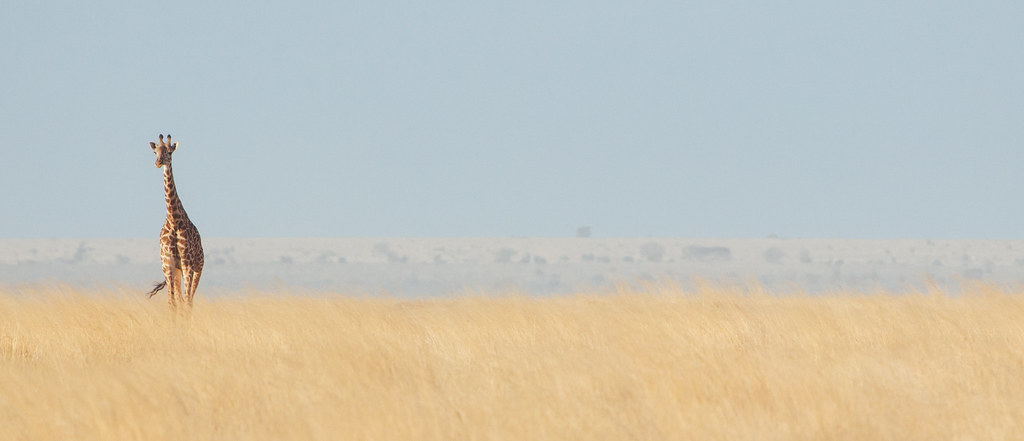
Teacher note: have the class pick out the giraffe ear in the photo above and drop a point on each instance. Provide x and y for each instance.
(174, 146)
(152, 145)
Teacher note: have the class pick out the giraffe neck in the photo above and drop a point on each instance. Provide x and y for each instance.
(175, 212)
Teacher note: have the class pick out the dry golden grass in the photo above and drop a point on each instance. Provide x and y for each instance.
(646, 364)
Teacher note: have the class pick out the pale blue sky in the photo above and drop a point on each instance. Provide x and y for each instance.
(858, 119)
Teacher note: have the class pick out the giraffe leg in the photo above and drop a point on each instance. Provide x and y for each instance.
(170, 297)
(174, 288)
(186, 276)
(169, 281)
(193, 285)
(169, 262)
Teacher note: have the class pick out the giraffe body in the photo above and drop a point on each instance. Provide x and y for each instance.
(181, 247)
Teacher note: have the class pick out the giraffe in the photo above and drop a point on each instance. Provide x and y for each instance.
(181, 248)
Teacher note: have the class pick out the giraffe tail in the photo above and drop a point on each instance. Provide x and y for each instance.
(157, 288)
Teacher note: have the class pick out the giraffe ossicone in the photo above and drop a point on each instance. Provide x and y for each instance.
(181, 248)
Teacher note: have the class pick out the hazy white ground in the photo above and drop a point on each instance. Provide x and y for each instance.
(439, 266)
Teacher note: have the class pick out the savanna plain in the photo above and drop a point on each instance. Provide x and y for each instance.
(642, 362)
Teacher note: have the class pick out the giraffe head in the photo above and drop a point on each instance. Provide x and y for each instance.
(163, 151)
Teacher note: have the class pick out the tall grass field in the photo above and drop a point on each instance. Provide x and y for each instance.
(643, 363)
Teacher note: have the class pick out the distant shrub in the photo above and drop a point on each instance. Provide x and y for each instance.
(652, 251)
(504, 255)
(774, 255)
(392, 257)
(709, 254)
